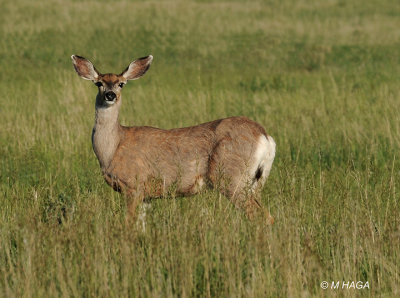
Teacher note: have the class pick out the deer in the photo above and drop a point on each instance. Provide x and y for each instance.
(232, 155)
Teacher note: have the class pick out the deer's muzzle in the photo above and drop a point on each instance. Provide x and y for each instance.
(110, 96)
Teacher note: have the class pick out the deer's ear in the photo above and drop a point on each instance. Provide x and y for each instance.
(137, 68)
(85, 68)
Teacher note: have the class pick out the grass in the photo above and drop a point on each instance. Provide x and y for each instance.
(322, 77)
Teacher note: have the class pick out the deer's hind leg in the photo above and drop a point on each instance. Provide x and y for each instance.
(241, 177)
(246, 195)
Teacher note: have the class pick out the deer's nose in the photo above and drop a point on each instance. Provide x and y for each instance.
(110, 95)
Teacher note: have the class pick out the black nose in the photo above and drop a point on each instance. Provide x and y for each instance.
(110, 95)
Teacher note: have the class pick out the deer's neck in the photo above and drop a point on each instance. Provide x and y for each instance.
(106, 133)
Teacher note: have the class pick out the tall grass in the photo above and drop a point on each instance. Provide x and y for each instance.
(321, 76)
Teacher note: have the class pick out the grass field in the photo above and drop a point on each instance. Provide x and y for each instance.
(323, 78)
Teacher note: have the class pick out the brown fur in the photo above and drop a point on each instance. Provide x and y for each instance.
(180, 156)
(146, 162)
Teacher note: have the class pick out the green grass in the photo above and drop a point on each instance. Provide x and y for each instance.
(322, 77)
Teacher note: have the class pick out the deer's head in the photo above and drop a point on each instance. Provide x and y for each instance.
(109, 84)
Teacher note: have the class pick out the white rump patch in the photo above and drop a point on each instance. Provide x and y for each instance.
(263, 158)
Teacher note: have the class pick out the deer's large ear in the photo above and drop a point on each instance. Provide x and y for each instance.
(137, 68)
(85, 68)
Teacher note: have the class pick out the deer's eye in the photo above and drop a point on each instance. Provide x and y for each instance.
(121, 85)
(98, 84)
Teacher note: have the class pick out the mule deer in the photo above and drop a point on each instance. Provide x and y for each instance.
(234, 154)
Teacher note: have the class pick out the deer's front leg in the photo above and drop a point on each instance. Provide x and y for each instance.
(134, 199)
